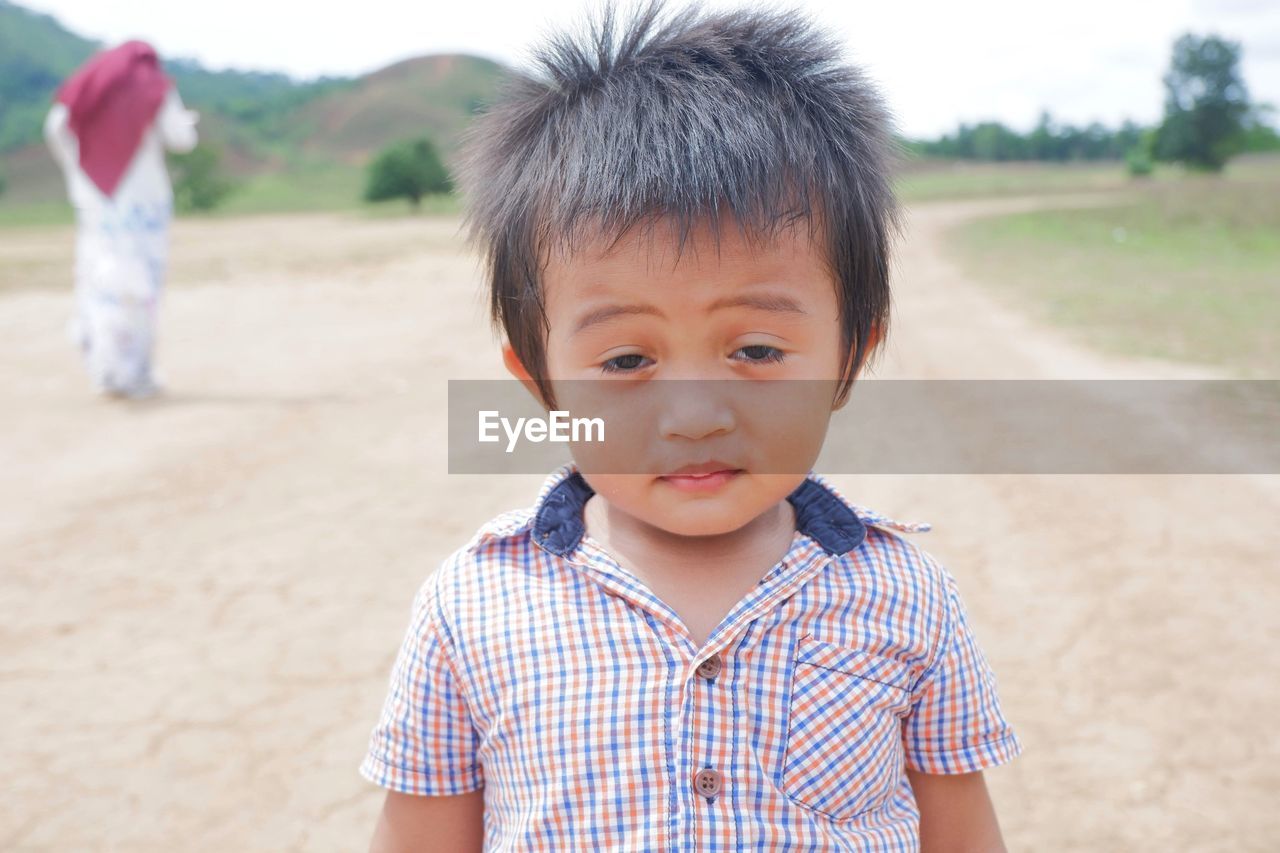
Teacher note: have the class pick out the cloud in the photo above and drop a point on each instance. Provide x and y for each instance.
(1234, 8)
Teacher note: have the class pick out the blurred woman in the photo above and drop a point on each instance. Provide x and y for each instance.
(108, 129)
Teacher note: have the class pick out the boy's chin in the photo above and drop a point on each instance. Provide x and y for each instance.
(703, 516)
(680, 524)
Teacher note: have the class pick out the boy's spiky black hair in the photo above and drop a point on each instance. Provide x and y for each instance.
(750, 115)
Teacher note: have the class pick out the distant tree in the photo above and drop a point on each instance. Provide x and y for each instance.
(1260, 132)
(409, 170)
(1205, 103)
(198, 181)
(3, 182)
(992, 141)
(1130, 136)
(1040, 144)
(1138, 160)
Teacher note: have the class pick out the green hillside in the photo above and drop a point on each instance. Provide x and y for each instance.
(431, 95)
(36, 53)
(289, 143)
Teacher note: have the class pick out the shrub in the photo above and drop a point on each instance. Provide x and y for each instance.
(409, 170)
(199, 183)
(1138, 161)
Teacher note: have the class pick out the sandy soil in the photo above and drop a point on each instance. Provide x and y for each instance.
(202, 595)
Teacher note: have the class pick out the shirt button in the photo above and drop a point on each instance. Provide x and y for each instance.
(708, 782)
(710, 667)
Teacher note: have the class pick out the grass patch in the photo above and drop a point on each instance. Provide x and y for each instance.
(930, 180)
(309, 190)
(36, 213)
(941, 180)
(320, 187)
(1187, 269)
(432, 205)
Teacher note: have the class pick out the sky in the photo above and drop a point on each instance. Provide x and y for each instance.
(938, 63)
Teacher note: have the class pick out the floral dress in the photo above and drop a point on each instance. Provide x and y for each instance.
(122, 243)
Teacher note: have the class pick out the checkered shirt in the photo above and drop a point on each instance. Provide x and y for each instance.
(537, 668)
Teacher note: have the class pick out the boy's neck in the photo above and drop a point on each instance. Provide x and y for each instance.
(646, 550)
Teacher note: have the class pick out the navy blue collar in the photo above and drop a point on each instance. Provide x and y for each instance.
(558, 525)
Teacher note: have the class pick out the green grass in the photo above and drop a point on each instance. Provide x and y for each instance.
(932, 180)
(946, 180)
(434, 205)
(1185, 269)
(304, 189)
(321, 187)
(35, 213)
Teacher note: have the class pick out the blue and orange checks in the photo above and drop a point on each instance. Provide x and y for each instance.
(538, 668)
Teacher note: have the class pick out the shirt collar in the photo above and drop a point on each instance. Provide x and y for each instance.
(821, 513)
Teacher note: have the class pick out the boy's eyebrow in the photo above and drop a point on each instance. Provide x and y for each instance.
(776, 302)
(608, 312)
(779, 303)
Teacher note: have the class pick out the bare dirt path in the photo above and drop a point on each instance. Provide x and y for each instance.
(201, 595)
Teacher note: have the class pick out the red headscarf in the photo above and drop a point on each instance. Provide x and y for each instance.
(112, 99)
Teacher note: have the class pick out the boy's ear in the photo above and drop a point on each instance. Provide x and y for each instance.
(873, 339)
(517, 369)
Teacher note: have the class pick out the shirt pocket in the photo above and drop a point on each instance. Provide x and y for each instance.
(844, 753)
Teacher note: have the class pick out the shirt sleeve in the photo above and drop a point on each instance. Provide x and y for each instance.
(424, 742)
(177, 123)
(955, 724)
(58, 136)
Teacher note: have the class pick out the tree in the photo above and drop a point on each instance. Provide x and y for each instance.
(1138, 159)
(1205, 103)
(1040, 144)
(409, 170)
(199, 183)
(1259, 132)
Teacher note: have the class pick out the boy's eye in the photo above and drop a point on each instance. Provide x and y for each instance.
(624, 363)
(760, 354)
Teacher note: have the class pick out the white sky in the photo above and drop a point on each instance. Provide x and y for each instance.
(939, 62)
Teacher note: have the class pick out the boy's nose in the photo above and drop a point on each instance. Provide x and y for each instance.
(695, 409)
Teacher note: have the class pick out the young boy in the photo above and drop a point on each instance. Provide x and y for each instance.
(708, 648)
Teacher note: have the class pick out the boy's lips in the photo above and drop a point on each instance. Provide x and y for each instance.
(703, 477)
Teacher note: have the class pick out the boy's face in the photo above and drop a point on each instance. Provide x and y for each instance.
(632, 315)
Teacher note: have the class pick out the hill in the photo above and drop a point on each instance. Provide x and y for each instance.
(435, 95)
(36, 54)
(267, 124)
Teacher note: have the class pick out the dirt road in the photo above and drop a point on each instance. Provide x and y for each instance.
(201, 595)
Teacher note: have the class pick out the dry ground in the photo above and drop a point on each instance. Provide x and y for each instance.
(201, 595)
